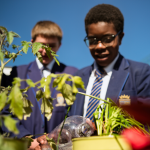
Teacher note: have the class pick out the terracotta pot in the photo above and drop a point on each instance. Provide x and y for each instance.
(100, 143)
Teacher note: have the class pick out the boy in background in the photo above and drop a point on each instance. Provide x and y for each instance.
(48, 33)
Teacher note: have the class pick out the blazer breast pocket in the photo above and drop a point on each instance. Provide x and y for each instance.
(128, 96)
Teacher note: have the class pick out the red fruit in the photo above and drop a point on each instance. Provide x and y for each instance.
(136, 138)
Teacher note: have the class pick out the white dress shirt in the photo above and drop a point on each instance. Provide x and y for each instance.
(49, 66)
(105, 78)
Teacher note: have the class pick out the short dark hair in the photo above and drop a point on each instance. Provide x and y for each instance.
(106, 13)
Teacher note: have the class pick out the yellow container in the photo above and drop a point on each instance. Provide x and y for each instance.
(100, 143)
(14, 144)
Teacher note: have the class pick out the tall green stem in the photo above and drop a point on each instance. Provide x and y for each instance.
(62, 126)
(1, 71)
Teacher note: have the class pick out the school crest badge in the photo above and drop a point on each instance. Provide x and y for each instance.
(124, 100)
(60, 100)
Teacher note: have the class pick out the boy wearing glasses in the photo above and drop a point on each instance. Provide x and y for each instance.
(111, 75)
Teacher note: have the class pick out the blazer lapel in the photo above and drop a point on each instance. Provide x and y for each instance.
(79, 102)
(118, 79)
(34, 74)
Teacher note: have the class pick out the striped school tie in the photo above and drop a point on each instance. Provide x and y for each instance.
(93, 103)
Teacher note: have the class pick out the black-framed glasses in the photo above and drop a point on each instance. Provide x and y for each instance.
(107, 40)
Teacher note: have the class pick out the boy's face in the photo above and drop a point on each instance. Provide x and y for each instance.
(104, 55)
(53, 42)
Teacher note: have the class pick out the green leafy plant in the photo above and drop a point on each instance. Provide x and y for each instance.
(110, 119)
(16, 98)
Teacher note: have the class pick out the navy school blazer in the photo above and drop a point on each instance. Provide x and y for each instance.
(37, 123)
(128, 77)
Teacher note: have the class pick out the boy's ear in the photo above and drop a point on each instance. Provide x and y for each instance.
(121, 37)
(32, 40)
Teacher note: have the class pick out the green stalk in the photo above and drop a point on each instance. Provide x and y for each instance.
(119, 124)
(143, 129)
(107, 117)
(98, 123)
(13, 57)
(101, 123)
(3, 64)
(118, 142)
(1, 71)
(94, 97)
(62, 126)
(148, 128)
(106, 113)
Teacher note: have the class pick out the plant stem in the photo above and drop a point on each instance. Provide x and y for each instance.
(1, 71)
(62, 126)
(94, 97)
(13, 57)
(118, 142)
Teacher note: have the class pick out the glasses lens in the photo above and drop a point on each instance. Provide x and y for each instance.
(87, 42)
(108, 40)
(91, 42)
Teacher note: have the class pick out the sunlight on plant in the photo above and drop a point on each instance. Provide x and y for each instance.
(16, 98)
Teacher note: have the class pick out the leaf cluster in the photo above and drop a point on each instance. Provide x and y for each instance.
(16, 98)
(61, 82)
(112, 119)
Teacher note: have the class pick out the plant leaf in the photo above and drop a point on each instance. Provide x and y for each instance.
(16, 81)
(57, 61)
(3, 99)
(25, 46)
(57, 80)
(30, 83)
(10, 124)
(78, 82)
(35, 47)
(16, 103)
(39, 56)
(3, 28)
(42, 82)
(47, 92)
(1, 56)
(39, 94)
(62, 81)
(47, 107)
(27, 110)
(15, 34)
(51, 143)
(48, 50)
(67, 94)
(10, 37)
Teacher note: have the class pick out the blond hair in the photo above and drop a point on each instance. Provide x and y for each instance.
(46, 29)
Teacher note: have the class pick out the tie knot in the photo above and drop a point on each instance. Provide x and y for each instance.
(45, 68)
(98, 74)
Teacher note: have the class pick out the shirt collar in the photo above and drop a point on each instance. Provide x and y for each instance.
(49, 66)
(109, 68)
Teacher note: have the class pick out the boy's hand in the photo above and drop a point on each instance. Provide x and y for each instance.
(33, 144)
(36, 144)
(38, 148)
(42, 139)
(92, 124)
